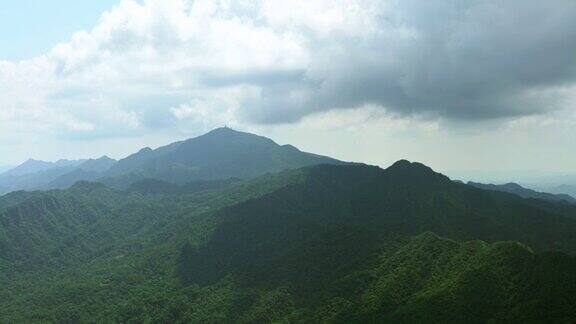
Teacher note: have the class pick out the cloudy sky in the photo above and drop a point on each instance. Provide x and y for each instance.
(477, 85)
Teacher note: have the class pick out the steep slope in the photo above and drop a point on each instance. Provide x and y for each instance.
(517, 189)
(220, 154)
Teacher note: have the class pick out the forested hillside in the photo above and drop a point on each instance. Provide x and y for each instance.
(326, 243)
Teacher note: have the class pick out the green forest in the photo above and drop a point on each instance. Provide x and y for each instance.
(324, 243)
(334, 244)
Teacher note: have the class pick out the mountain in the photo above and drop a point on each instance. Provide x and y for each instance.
(89, 170)
(405, 199)
(220, 154)
(563, 189)
(12, 181)
(34, 174)
(323, 243)
(102, 164)
(34, 166)
(517, 189)
(4, 168)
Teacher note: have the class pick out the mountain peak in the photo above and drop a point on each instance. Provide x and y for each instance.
(219, 154)
(227, 131)
(412, 166)
(102, 159)
(401, 164)
(63, 161)
(404, 169)
(224, 129)
(34, 161)
(30, 166)
(513, 185)
(227, 135)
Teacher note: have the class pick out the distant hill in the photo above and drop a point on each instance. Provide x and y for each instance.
(28, 179)
(89, 170)
(34, 166)
(568, 189)
(517, 189)
(220, 154)
(35, 175)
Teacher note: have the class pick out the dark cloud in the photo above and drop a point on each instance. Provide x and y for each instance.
(461, 60)
(268, 62)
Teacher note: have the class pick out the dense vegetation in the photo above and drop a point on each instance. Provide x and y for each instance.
(326, 243)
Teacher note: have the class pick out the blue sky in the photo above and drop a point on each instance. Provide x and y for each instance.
(29, 28)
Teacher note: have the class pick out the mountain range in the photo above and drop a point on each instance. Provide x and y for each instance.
(569, 189)
(36, 175)
(525, 192)
(220, 154)
(231, 227)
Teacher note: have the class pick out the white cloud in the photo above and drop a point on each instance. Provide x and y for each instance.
(183, 66)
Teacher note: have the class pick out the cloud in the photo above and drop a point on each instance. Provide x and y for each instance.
(178, 64)
(465, 60)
